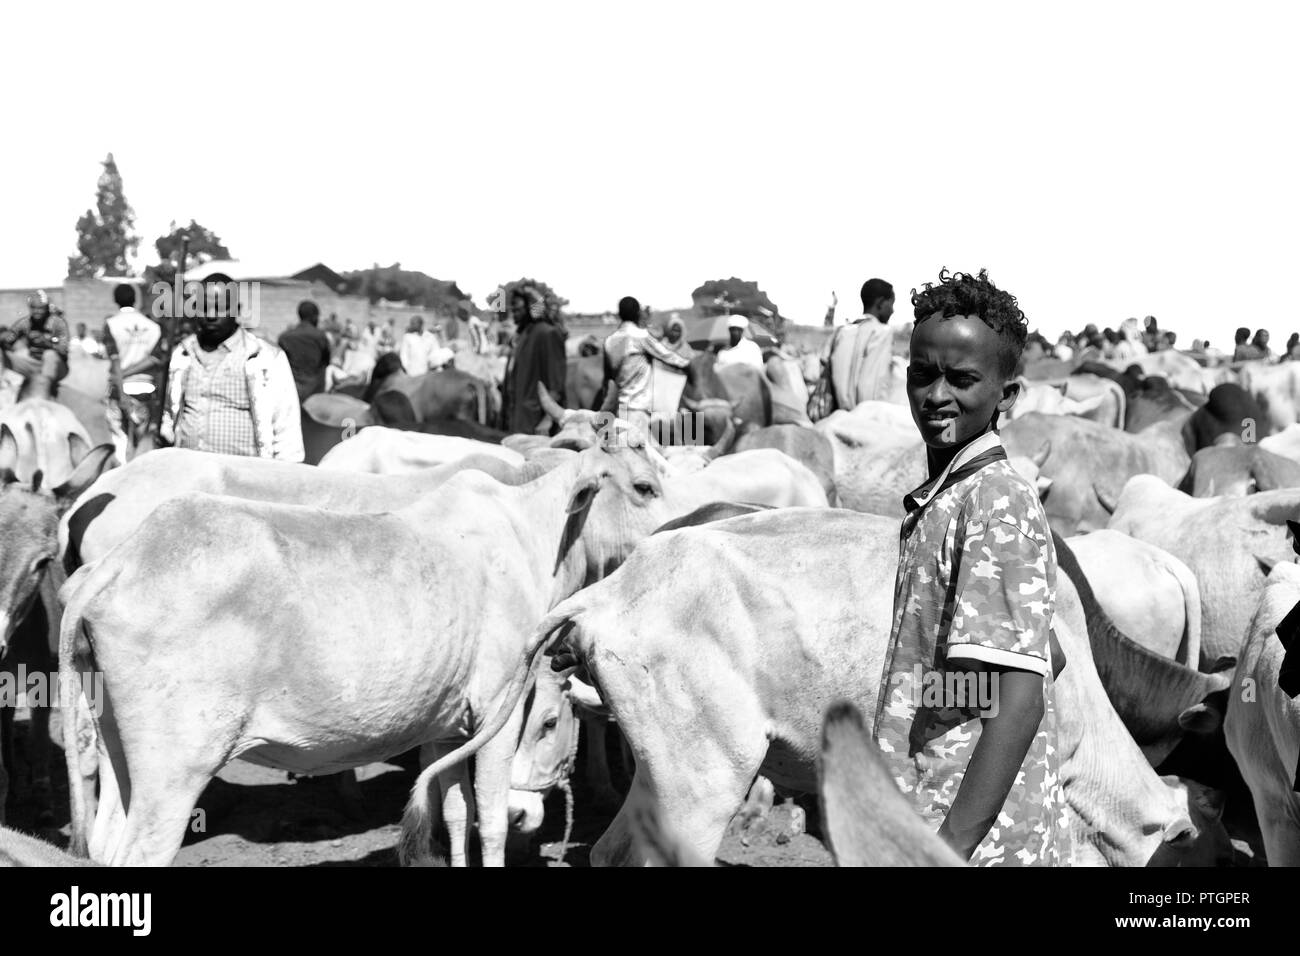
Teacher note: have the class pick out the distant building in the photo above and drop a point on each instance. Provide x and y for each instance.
(275, 307)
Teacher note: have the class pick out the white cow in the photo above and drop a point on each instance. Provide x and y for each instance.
(1221, 539)
(1149, 594)
(1263, 723)
(314, 642)
(392, 451)
(758, 620)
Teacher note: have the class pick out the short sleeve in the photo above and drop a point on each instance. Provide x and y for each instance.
(1003, 602)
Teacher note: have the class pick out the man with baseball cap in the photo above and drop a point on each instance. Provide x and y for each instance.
(743, 350)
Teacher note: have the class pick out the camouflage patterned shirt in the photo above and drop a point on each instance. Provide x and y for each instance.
(976, 580)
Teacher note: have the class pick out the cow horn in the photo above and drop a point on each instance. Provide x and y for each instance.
(723, 444)
(549, 405)
(8, 449)
(584, 695)
(1107, 500)
(1040, 456)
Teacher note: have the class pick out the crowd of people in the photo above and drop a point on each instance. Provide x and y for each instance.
(1134, 338)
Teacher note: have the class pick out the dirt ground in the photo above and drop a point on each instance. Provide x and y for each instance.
(252, 816)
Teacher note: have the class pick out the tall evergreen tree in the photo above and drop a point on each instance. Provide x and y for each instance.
(105, 237)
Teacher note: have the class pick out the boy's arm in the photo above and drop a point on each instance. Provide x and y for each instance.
(1002, 627)
(999, 752)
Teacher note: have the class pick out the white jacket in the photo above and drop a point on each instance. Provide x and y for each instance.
(277, 425)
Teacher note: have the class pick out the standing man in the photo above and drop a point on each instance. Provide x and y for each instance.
(628, 354)
(368, 339)
(417, 347)
(308, 351)
(538, 358)
(861, 353)
(227, 390)
(47, 341)
(742, 351)
(133, 343)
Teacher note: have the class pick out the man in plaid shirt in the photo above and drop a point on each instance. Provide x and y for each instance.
(228, 391)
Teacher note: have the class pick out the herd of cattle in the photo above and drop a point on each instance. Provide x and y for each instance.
(412, 585)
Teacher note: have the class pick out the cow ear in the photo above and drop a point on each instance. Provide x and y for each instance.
(94, 463)
(78, 447)
(583, 494)
(8, 450)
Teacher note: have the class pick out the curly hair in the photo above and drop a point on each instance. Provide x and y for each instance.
(960, 293)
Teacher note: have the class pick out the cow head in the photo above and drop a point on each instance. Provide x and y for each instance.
(29, 523)
(616, 502)
(1194, 834)
(546, 749)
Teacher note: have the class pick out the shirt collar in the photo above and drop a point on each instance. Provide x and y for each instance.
(977, 446)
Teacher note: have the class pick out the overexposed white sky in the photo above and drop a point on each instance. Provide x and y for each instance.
(1103, 160)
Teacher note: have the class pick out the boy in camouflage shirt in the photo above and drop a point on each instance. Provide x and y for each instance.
(965, 714)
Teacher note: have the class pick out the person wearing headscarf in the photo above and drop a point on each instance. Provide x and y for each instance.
(675, 338)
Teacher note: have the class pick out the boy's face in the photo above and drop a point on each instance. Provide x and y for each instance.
(954, 379)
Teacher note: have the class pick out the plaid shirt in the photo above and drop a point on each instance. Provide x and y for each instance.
(216, 409)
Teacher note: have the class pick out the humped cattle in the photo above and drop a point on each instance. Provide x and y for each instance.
(1235, 470)
(391, 451)
(1223, 541)
(1263, 722)
(760, 618)
(446, 663)
(1086, 457)
(1275, 388)
(1148, 593)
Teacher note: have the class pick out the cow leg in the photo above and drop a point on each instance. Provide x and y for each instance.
(163, 796)
(450, 792)
(38, 752)
(599, 780)
(6, 754)
(109, 817)
(696, 790)
(349, 791)
(492, 766)
(1279, 827)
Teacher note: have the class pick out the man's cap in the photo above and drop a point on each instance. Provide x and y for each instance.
(38, 298)
(738, 322)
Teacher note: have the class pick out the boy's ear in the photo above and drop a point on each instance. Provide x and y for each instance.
(1010, 392)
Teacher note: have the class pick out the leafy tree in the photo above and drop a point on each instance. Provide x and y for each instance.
(738, 297)
(205, 245)
(104, 234)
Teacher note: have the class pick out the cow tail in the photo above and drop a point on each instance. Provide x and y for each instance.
(80, 593)
(417, 822)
